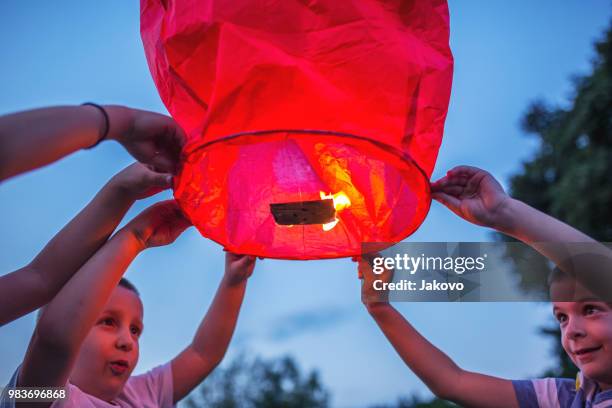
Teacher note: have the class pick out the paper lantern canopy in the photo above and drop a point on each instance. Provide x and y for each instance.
(313, 126)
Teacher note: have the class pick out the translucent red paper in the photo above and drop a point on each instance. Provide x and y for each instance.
(284, 99)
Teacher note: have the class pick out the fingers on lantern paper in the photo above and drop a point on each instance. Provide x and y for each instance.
(291, 104)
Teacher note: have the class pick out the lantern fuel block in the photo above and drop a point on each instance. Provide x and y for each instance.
(313, 126)
(304, 212)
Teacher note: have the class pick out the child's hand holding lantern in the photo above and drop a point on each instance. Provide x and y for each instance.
(159, 224)
(238, 268)
(150, 137)
(474, 195)
(369, 295)
(137, 181)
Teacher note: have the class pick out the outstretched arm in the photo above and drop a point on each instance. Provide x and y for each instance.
(38, 137)
(213, 336)
(68, 318)
(441, 375)
(474, 195)
(34, 285)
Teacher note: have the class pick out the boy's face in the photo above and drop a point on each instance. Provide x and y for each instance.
(586, 334)
(110, 350)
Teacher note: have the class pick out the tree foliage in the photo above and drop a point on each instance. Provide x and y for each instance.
(570, 175)
(416, 402)
(259, 383)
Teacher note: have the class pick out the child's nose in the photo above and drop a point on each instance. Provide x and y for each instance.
(125, 341)
(575, 328)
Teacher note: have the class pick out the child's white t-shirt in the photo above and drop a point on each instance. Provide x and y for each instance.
(150, 390)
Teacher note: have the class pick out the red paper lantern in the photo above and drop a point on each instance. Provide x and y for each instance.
(313, 126)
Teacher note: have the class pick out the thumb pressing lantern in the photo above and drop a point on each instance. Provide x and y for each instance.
(313, 126)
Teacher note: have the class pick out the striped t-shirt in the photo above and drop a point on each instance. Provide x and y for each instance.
(561, 393)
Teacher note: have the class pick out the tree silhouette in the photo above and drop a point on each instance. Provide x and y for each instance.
(259, 383)
(569, 175)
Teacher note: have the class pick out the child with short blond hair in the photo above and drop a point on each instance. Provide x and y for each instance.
(586, 324)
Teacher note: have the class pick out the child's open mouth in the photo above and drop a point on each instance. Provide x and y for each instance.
(119, 367)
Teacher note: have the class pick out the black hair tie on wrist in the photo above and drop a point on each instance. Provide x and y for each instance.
(103, 131)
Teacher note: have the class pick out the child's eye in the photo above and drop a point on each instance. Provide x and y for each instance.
(135, 330)
(107, 321)
(561, 318)
(590, 309)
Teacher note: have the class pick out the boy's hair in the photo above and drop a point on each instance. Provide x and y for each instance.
(124, 283)
(557, 275)
(128, 285)
(591, 271)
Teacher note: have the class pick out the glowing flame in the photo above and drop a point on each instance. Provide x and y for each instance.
(341, 201)
(330, 225)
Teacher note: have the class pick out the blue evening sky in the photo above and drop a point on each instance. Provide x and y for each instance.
(507, 54)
